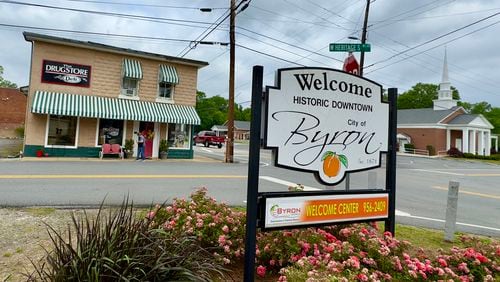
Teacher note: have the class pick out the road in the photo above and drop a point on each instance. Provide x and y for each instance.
(421, 184)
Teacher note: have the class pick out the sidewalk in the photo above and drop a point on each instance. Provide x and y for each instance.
(73, 159)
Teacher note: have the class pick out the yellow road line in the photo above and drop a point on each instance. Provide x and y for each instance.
(116, 176)
(469, 192)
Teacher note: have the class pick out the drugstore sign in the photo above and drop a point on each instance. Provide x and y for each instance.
(327, 122)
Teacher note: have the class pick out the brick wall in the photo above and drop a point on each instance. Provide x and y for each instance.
(421, 137)
(12, 111)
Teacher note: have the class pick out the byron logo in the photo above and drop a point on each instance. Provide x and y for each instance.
(277, 211)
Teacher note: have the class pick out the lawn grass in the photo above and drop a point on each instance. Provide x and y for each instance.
(42, 211)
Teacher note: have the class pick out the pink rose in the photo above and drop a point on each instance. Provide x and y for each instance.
(261, 271)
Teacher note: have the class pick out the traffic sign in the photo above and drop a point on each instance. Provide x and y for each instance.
(349, 47)
(351, 65)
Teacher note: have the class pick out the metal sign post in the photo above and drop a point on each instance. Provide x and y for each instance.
(253, 174)
(390, 180)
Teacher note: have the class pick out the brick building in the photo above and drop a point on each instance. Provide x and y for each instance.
(85, 94)
(444, 126)
(12, 111)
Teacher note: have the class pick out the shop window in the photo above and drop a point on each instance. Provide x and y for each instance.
(110, 131)
(179, 135)
(130, 86)
(165, 90)
(62, 131)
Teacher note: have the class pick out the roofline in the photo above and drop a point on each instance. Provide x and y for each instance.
(30, 36)
(458, 108)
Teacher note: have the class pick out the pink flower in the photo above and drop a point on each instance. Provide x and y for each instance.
(225, 229)
(272, 262)
(151, 215)
(442, 262)
(222, 240)
(362, 277)
(261, 271)
(226, 260)
(463, 267)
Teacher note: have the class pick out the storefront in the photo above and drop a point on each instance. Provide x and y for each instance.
(83, 95)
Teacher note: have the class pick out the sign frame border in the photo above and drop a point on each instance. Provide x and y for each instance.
(268, 195)
(276, 150)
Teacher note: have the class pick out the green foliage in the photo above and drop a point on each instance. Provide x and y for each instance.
(5, 83)
(19, 132)
(163, 147)
(213, 111)
(122, 247)
(409, 147)
(129, 144)
(421, 95)
(431, 149)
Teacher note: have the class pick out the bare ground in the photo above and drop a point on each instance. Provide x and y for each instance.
(23, 236)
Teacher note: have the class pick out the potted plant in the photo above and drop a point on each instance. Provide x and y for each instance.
(163, 149)
(128, 148)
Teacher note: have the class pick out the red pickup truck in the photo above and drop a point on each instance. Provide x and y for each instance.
(208, 138)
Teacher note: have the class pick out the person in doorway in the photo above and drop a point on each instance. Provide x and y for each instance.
(140, 146)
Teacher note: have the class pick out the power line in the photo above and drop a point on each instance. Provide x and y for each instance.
(207, 33)
(454, 39)
(434, 39)
(111, 34)
(143, 5)
(186, 49)
(131, 16)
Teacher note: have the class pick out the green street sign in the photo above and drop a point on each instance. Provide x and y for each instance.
(348, 47)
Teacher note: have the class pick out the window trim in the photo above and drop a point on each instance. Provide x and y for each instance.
(190, 139)
(164, 99)
(122, 88)
(77, 134)
(98, 123)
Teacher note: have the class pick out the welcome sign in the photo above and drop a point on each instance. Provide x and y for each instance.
(326, 121)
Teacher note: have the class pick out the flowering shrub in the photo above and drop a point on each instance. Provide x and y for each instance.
(214, 224)
(355, 252)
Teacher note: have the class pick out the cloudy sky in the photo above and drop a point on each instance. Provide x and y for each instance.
(407, 37)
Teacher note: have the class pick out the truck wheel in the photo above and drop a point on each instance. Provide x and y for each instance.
(219, 145)
(206, 144)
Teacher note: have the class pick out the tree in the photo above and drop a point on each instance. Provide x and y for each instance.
(5, 83)
(213, 111)
(422, 95)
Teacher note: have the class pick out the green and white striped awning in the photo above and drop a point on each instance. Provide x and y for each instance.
(132, 69)
(168, 74)
(111, 108)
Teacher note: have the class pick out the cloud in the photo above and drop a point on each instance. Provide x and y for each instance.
(394, 26)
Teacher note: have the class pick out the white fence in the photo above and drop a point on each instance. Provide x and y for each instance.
(417, 151)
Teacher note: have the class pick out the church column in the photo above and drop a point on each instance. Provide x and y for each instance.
(472, 143)
(448, 139)
(480, 144)
(465, 140)
(487, 141)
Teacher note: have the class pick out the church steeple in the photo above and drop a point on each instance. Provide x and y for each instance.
(445, 98)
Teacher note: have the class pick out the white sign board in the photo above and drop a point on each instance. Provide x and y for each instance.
(326, 121)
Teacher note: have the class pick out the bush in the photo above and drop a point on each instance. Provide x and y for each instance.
(19, 132)
(409, 147)
(214, 224)
(431, 149)
(454, 152)
(121, 247)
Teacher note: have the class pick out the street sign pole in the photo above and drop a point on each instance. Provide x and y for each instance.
(390, 178)
(253, 174)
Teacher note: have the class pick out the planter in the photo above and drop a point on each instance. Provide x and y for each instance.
(163, 155)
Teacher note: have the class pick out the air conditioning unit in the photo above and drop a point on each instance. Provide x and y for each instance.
(129, 92)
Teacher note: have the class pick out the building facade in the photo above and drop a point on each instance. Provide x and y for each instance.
(13, 111)
(444, 126)
(85, 94)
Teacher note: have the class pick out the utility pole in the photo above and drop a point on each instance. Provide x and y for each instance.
(230, 113)
(363, 38)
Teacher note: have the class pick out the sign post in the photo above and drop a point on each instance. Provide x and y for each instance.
(253, 174)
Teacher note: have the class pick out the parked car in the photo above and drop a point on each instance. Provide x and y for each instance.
(208, 138)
